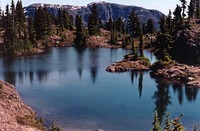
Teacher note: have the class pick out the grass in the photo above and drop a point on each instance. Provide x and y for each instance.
(32, 121)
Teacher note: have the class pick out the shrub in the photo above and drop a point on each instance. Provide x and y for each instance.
(169, 125)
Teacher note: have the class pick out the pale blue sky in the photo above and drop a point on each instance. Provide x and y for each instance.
(161, 5)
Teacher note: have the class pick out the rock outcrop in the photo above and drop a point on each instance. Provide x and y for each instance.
(14, 113)
(130, 64)
(181, 72)
(106, 10)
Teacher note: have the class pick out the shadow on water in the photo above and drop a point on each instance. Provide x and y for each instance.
(162, 95)
(94, 64)
(72, 103)
(134, 75)
(80, 54)
(9, 76)
(162, 98)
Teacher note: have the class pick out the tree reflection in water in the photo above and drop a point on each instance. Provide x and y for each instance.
(94, 53)
(162, 94)
(162, 98)
(80, 53)
(134, 75)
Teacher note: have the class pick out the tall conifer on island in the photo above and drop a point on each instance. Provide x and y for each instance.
(163, 25)
(141, 46)
(134, 25)
(150, 27)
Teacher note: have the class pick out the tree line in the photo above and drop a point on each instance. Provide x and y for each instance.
(21, 33)
(172, 40)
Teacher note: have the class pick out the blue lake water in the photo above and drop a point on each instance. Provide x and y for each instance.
(73, 89)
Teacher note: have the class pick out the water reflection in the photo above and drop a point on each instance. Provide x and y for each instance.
(191, 94)
(162, 98)
(94, 64)
(162, 95)
(60, 89)
(134, 75)
(31, 77)
(80, 55)
(42, 76)
(140, 84)
(10, 77)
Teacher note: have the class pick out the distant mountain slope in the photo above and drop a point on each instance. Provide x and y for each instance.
(106, 10)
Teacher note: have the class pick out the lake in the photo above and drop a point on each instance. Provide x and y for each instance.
(72, 88)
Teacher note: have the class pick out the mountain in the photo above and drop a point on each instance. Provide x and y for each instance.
(106, 10)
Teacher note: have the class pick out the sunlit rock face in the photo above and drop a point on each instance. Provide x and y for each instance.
(106, 10)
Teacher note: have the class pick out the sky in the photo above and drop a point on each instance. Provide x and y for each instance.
(161, 5)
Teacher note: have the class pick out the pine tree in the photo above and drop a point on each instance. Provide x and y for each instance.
(141, 46)
(120, 25)
(109, 24)
(197, 9)
(134, 25)
(93, 21)
(163, 25)
(66, 19)
(47, 21)
(169, 22)
(144, 28)
(156, 123)
(31, 32)
(60, 21)
(177, 16)
(20, 27)
(177, 124)
(167, 124)
(133, 45)
(150, 27)
(1, 17)
(71, 22)
(113, 34)
(42, 23)
(184, 5)
(191, 9)
(80, 35)
(9, 36)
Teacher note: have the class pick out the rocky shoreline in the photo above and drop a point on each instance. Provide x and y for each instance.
(174, 71)
(129, 63)
(190, 75)
(14, 113)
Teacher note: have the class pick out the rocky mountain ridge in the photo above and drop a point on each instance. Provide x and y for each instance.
(106, 10)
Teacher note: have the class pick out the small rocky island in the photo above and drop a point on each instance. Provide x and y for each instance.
(14, 113)
(130, 62)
